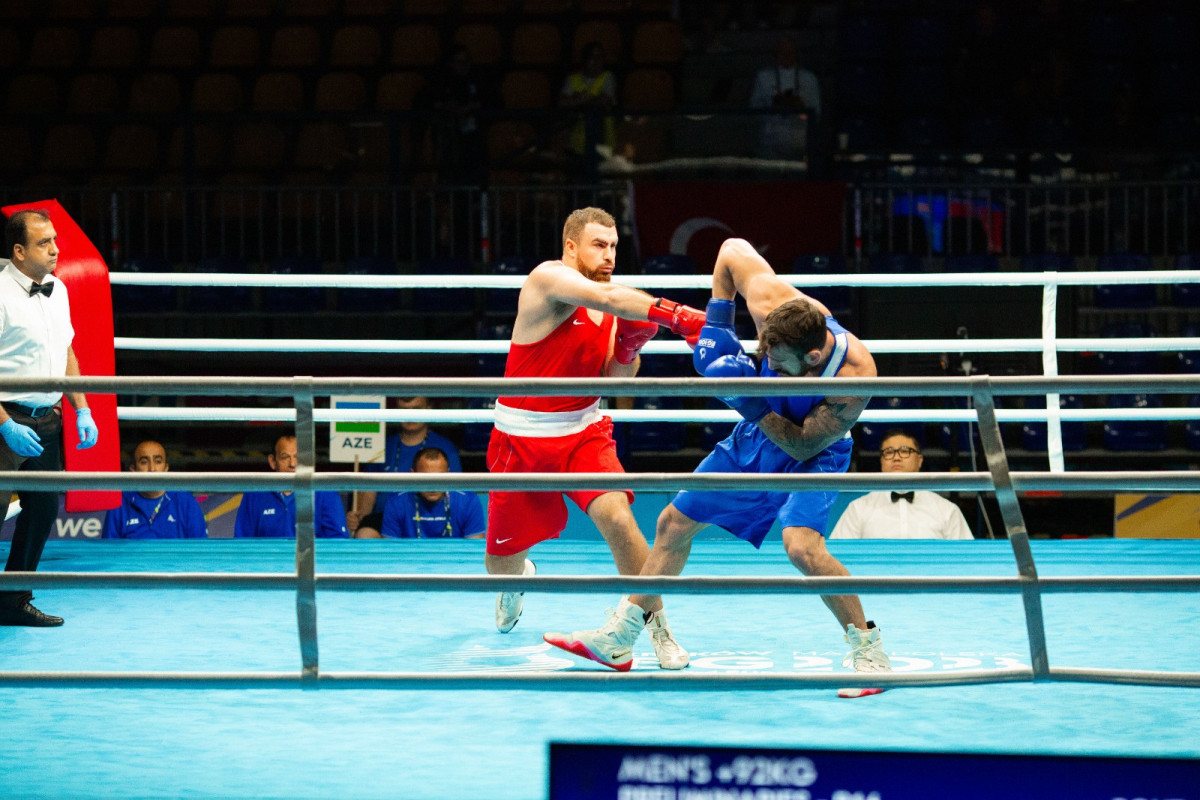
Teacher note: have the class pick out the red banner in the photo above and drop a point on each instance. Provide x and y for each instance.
(83, 271)
(782, 220)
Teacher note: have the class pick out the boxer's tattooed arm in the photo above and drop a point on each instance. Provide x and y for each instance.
(827, 422)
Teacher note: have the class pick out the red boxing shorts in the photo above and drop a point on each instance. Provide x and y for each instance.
(519, 520)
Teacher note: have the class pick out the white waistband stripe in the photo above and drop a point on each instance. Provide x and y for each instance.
(544, 424)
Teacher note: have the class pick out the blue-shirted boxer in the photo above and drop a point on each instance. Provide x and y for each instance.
(749, 515)
(799, 433)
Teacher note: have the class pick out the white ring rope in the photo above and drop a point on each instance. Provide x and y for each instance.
(1019, 385)
(923, 279)
(469, 282)
(491, 346)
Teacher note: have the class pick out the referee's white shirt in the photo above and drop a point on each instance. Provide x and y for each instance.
(875, 516)
(35, 334)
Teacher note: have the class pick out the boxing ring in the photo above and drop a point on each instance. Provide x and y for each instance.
(210, 678)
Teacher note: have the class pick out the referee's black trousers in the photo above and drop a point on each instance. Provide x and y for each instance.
(39, 510)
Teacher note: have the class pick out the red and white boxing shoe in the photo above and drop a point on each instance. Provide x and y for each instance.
(611, 644)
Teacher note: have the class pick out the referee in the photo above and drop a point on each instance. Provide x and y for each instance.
(35, 342)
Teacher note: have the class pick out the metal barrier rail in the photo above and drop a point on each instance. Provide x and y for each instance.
(460, 416)
(1084, 219)
(340, 222)
(1151, 481)
(575, 584)
(1000, 385)
(305, 481)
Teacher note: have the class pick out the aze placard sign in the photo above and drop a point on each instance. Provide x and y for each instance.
(361, 441)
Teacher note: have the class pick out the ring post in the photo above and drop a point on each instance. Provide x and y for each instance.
(1014, 523)
(1054, 445)
(306, 596)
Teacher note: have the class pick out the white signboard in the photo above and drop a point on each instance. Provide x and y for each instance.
(361, 441)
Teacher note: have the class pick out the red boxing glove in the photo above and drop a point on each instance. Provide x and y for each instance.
(681, 319)
(632, 336)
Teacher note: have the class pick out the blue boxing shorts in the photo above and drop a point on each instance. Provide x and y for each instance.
(749, 514)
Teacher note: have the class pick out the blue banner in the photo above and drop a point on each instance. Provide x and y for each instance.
(645, 772)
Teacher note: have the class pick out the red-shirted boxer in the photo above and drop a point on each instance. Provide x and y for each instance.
(572, 322)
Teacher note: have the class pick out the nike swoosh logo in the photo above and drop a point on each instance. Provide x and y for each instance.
(576, 322)
(502, 541)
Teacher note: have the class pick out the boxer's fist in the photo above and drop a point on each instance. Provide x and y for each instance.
(632, 336)
(739, 366)
(717, 338)
(678, 318)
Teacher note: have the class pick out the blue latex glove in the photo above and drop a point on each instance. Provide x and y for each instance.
(21, 439)
(89, 434)
(717, 337)
(739, 366)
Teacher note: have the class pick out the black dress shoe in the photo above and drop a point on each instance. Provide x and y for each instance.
(28, 616)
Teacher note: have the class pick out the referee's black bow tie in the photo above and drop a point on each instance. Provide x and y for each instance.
(41, 288)
(896, 496)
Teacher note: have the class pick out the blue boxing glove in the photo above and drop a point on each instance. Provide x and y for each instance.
(89, 434)
(739, 366)
(717, 337)
(21, 439)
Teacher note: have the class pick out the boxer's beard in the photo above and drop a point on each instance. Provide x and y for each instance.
(597, 275)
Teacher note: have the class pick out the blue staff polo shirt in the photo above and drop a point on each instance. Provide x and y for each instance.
(175, 515)
(457, 514)
(273, 514)
(398, 457)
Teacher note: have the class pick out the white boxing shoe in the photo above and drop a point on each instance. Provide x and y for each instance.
(866, 655)
(510, 604)
(611, 644)
(670, 654)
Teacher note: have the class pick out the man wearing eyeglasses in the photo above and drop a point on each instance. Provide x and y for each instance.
(901, 515)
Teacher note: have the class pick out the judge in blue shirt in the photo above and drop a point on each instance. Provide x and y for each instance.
(433, 515)
(273, 514)
(155, 515)
(366, 518)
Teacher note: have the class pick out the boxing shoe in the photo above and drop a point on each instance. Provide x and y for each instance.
(866, 655)
(29, 616)
(670, 654)
(612, 643)
(509, 605)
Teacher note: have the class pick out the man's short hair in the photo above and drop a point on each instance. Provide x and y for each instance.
(580, 217)
(16, 230)
(907, 434)
(281, 437)
(430, 454)
(796, 324)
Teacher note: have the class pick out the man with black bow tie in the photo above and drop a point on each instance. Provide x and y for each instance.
(35, 342)
(901, 515)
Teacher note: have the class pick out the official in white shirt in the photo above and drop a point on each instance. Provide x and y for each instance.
(901, 515)
(35, 342)
(794, 92)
